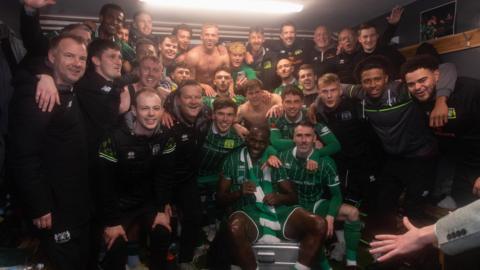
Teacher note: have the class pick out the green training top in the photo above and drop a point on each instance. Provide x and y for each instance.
(281, 134)
(310, 185)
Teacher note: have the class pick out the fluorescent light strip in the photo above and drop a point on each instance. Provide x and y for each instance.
(247, 6)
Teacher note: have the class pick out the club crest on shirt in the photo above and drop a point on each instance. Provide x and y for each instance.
(131, 155)
(298, 52)
(267, 65)
(184, 137)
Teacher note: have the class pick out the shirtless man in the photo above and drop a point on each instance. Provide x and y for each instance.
(206, 58)
(258, 106)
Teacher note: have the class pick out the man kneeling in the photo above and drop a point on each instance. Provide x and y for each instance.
(262, 208)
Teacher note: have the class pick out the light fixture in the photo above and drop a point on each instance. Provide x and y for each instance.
(246, 6)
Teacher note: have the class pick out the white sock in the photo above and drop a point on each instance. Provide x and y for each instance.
(300, 266)
(340, 236)
(351, 263)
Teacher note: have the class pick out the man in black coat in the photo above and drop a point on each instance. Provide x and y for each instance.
(48, 157)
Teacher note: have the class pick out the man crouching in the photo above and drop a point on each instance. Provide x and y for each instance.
(263, 210)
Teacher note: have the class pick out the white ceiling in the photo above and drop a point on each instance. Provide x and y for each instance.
(335, 14)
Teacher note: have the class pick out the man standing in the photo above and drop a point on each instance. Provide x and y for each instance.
(282, 127)
(262, 207)
(289, 46)
(285, 69)
(322, 52)
(183, 33)
(312, 186)
(258, 105)
(98, 97)
(192, 120)
(141, 28)
(459, 138)
(204, 59)
(167, 49)
(126, 158)
(223, 88)
(48, 158)
(307, 81)
(111, 18)
(261, 59)
(241, 72)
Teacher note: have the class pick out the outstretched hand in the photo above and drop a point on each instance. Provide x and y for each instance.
(390, 246)
(395, 15)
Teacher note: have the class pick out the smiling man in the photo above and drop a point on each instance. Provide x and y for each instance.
(192, 120)
(126, 160)
(284, 69)
(461, 135)
(289, 46)
(223, 83)
(48, 158)
(204, 59)
(168, 48)
(261, 208)
(241, 72)
(308, 83)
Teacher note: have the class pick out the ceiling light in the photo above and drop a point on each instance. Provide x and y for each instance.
(247, 6)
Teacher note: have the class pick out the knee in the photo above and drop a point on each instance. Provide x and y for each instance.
(235, 227)
(353, 214)
(319, 226)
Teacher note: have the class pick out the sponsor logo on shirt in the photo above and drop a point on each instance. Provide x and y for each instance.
(298, 52)
(288, 165)
(62, 237)
(184, 137)
(229, 144)
(106, 89)
(452, 114)
(267, 65)
(347, 115)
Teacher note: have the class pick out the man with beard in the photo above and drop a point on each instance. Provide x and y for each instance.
(261, 59)
(141, 28)
(312, 188)
(167, 49)
(48, 159)
(125, 171)
(223, 86)
(460, 137)
(204, 59)
(289, 46)
(192, 120)
(282, 127)
(307, 82)
(284, 69)
(262, 208)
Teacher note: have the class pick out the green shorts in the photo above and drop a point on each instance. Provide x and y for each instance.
(283, 214)
(320, 207)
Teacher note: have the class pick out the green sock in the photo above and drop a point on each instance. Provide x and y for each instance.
(322, 260)
(352, 238)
